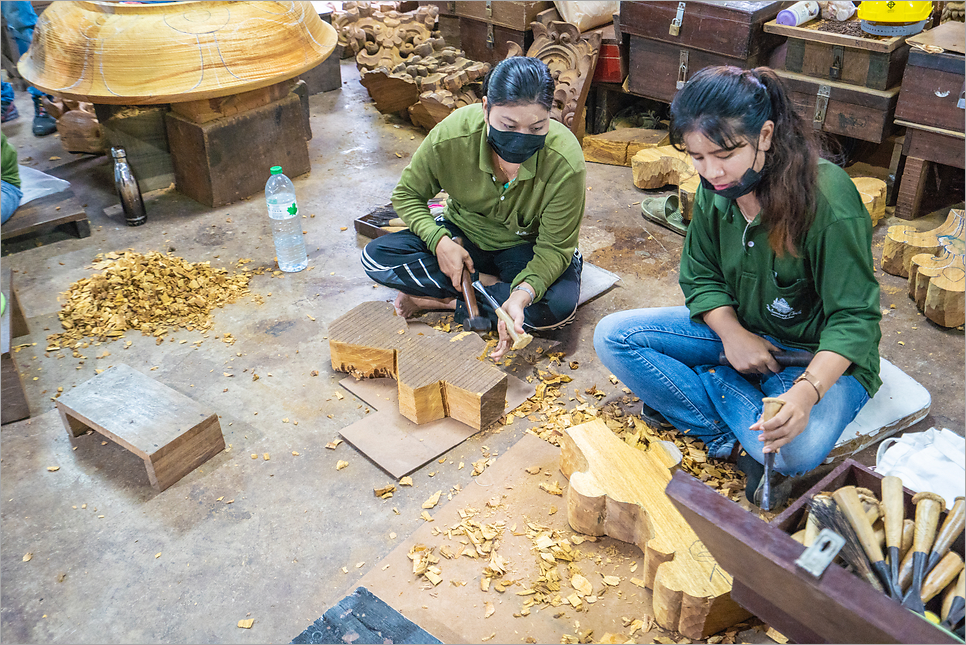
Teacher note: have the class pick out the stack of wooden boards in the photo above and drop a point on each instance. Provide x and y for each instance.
(843, 84)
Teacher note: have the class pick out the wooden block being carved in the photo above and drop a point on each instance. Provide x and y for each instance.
(170, 432)
(903, 242)
(656, 167)
(618, 490)
(437, 374)
(936, 283)
(618, 147)
(873, 193)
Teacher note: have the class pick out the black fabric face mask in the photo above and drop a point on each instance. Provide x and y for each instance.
(749, 181)
(514, 147)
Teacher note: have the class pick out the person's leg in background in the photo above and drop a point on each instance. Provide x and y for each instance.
(21, 19)
(9, 202)
(8, 111)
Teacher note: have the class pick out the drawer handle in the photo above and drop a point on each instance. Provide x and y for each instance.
(821, 106)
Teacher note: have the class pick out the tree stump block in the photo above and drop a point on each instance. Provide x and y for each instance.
(657, 167)
(618, 490)
(903, 242)
(437, 375)
(873, 193)
(618, 147)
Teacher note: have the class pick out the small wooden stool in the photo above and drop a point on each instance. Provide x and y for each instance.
(46, 213)
(170, 432)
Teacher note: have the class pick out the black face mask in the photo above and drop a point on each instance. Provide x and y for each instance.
(514, 147)
(749, 181)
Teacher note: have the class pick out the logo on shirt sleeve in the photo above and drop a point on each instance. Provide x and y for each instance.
(781, 309)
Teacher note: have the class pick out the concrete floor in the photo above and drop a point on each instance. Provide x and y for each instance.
(182, 566)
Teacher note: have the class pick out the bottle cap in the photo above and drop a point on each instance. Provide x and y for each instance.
(276, 170)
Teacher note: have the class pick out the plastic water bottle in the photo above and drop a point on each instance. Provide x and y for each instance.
(286, 222)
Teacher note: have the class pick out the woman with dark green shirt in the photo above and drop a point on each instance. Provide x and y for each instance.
(778, 256)
(515, 183)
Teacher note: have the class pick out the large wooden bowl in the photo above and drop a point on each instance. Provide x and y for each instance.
(122, 54)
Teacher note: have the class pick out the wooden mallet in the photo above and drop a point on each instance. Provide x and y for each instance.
(519, 340)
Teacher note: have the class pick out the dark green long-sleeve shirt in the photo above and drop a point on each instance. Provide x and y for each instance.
(827, 298)
(543, 205)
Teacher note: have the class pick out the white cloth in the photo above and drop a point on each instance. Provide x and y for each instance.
(35, 184)
(934, 461)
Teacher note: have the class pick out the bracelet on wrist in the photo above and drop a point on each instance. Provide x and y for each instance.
(811, 380)
(527, 290)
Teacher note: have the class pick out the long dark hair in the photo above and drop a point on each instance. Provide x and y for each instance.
(519, 80)
(729, 105)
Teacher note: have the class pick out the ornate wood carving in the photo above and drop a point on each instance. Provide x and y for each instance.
(385, 39)
(571, 59)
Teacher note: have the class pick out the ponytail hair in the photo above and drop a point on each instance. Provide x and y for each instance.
(519, 80)
(729, 106)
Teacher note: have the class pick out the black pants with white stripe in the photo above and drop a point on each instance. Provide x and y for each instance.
(402, 261)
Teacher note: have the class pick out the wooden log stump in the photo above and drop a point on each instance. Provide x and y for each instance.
(80, 132)
(618, 147)
(873, 193)
(903, 242)
(618, 490)
(657, 167)
(437, 375)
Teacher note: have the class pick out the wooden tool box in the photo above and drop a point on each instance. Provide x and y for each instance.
(487, 27)
(932, 105)
(837, 607)
(670, 41)
(870, 62)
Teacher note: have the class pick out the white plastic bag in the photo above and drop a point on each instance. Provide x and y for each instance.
(35, 184)
(934, 461)
(587, 15)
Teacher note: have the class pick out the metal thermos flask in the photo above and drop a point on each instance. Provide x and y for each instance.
(127, 189)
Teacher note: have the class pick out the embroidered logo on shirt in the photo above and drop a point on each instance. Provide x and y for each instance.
(781, 309)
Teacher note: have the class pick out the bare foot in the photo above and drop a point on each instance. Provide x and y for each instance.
(408, 306)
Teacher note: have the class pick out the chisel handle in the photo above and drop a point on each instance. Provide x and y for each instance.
(956, 591)
(519, 340)
(848, 501)
(928, 506)
(895, 509)
(953, 525)
(944, 573)
(785, 358)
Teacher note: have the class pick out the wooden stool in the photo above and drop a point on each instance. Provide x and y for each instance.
(170, 432)
(14, 400)
(48, 213)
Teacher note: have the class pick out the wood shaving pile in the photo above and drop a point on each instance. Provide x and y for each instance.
(153, 293)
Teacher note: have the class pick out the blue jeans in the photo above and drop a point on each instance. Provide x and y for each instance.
(21, 20)
(671, 363)
(10, 201)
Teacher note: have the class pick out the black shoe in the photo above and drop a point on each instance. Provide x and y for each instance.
(654, 418)
(44, 124)
(754, 471)
(781, 486)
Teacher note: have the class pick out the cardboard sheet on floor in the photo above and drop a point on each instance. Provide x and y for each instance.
(456, 612)
(396, 444)
(900, 403)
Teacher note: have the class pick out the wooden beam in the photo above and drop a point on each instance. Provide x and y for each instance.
(618, 490)
(437, 375)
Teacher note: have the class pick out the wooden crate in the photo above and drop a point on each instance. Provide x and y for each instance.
(228, 158)
(932, 90)
(731, 29)
(657, 69)
(837, 607)
(487, 42)
(512, 15)
(839, 108)
(170, 432)
(873, 63)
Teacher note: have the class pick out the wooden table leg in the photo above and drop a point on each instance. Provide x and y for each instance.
(74, 426)
(911, 188)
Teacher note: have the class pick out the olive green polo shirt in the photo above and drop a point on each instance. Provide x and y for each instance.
(543, 205)
(8, 159)
(827, 298)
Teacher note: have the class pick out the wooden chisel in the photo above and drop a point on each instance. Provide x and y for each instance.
(895, 512)
(954, 603)
(953, 525)
(928, 506)
(943, 574)
(770, 407)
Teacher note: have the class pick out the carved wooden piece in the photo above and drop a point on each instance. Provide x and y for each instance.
(936, 283)
(903, 242)
(152, 54)
(618, 147)
(80, 132)
(873, 193)
(572, 59)
(437, 375)
(384, 39)
(618, 490)
(656, 167)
